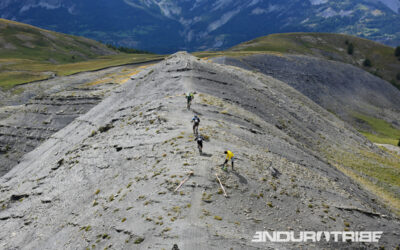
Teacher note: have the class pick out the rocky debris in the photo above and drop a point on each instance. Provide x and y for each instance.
(274, 172)
(101, 197)
(18, 197)
(46, 200)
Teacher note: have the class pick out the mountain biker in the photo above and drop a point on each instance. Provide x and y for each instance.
(196, 123)
(229, 156)
(199, 139)
(189, 98)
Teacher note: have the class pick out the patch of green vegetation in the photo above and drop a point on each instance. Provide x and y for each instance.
(95, 203)
(385, 133)
(105, 128)
(378, 139)
(87, 228)
(139, 240)
(25, 71)
(127, 50)
(367, 63)
(34, 54)
(378, 173)
(9, 79)
(216, 217)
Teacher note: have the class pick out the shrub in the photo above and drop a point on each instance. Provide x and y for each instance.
(127, 49)
(350, 49)
(103, 129)
(217, 217)
(139, 240)
(397, 51)
(93, 133)
(367, 63)
(398, 144)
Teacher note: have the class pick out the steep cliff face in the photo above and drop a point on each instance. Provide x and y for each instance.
(108, 178)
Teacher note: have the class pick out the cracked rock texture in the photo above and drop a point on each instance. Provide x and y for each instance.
(108, 178)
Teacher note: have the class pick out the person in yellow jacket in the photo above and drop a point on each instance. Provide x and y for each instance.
(229, 156)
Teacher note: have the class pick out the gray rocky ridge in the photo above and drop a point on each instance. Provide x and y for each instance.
(108, 178)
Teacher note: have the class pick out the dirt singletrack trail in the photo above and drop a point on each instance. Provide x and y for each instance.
(195, 234)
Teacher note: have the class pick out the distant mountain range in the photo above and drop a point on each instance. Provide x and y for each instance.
(165, 26)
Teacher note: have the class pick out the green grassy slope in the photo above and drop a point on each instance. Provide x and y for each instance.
(380, 130)
(330, 46)
(28, 54)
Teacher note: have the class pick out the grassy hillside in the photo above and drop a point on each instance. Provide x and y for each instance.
(28, 54)
(382, 131)
(331, 46)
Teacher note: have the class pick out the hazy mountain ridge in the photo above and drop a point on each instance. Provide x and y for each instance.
(202, 24)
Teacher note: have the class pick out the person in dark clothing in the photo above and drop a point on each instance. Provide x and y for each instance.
(199, 139)
(189, 98)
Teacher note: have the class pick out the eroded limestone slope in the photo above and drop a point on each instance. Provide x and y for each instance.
(31, 113)
(338, 87)
(108, 178)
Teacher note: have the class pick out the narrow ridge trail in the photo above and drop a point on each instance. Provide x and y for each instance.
(195, 234)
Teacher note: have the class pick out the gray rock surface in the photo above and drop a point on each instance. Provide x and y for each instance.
(108, 178)
(31, 113)
(340, 88)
